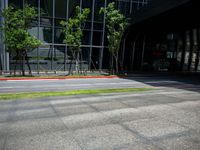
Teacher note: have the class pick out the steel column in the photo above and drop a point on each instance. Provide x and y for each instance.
(91, 35)
(103, 37)
(38, 35)
(5, 55)
(66, 49)
(52, 52)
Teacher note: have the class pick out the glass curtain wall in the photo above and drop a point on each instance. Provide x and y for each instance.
(4, 57)
(53, 54)
(1, 38)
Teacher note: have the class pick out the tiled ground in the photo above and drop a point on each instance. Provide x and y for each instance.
(167, 118)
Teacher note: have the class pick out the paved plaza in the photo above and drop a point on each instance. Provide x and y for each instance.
(167, 118)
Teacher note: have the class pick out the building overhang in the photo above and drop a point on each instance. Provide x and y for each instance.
(156, 7)
(167, 16)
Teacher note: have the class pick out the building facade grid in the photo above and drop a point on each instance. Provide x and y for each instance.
(53, 54)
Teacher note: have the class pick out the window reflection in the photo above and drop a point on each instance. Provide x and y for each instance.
(48, 29)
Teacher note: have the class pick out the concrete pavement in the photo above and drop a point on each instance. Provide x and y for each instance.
(168, 118)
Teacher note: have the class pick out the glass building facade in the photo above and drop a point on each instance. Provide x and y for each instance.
(53, 54)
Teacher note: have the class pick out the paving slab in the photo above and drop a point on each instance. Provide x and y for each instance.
(67, 110)
(136, 102)
(60, 140)
(109, 137)
(4, 117)
(128, 114)
(35, 113)
(188, 119)
(4, 129)
(105, 106)
(186, 142)
(74, 122)
(5, 106)
(2, 142)
(35, 126)
(191, 106)
(31, 104)
(155, 128)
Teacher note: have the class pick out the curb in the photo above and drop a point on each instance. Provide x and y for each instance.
(62, 78)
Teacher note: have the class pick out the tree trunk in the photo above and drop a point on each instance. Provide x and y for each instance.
(77, 62)
(27, 61)
(116, 63)
(70, 67)
(111, 65)
(17, 55)
(81, 60)
(22, 63)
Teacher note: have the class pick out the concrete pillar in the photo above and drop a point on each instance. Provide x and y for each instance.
(183, 51)
(198, 50)
(191, 44)
(133, 54)
(143, 49)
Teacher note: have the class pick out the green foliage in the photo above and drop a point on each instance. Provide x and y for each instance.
(73, 28)
(15, 26)
(116, 24)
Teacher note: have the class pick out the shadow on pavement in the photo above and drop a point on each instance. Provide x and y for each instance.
(190, 82)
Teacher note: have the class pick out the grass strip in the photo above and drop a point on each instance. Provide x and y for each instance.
(27, 95)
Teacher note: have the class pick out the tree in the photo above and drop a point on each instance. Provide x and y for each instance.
(116, 24)
(16, 36)
(73, 33)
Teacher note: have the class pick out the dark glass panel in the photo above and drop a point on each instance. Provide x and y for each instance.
(95, 58)
(60, 8)
(106, 58)
(72, 6)
(87, 25)
(98, 5)
(85, 53)
(33, 3)
(86, 37)
(46, 34)
(46, 8)
(45, 57)
(58, 57)
(33, 59)
(58, 36)
(98, 26)
(16, 3)
(97, 38)
(46, 21)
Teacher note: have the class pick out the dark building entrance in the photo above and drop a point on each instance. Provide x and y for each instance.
(165, 41)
